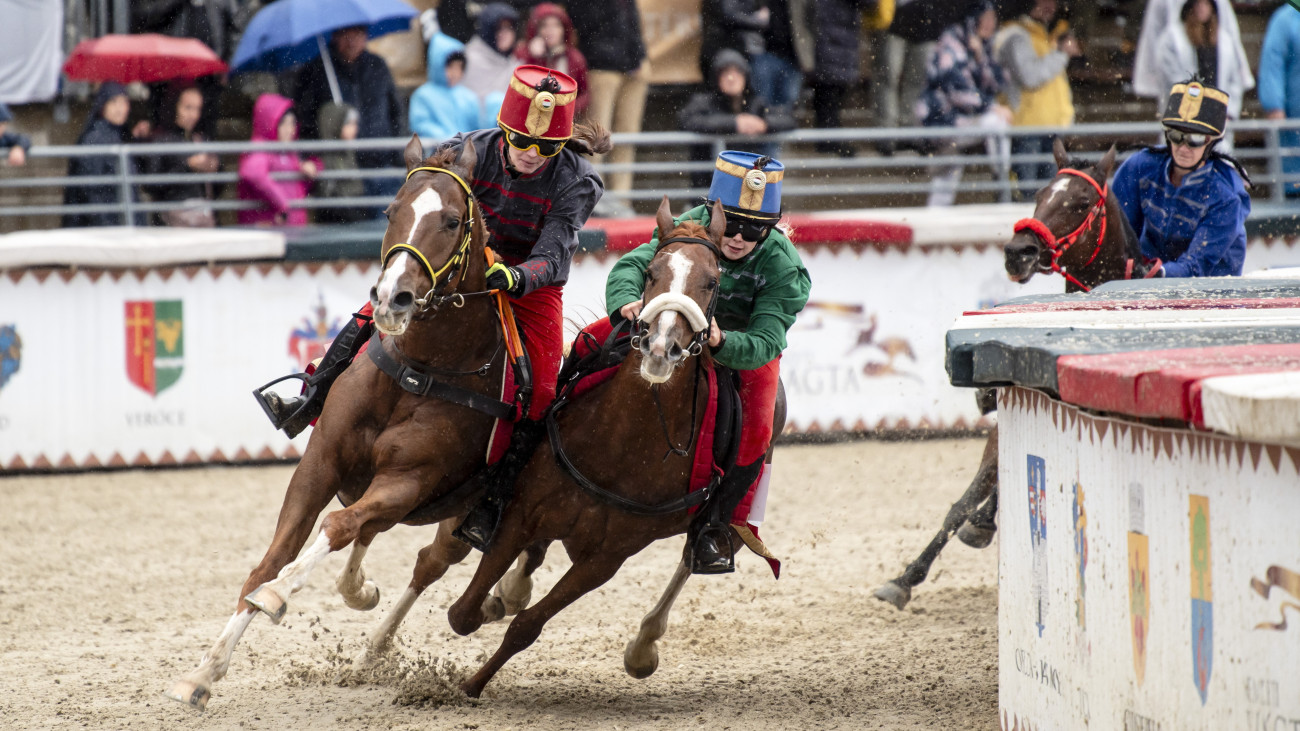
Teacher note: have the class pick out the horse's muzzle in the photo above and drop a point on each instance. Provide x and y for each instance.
(393, 316)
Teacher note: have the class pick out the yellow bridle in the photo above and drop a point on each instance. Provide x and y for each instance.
(458, 257)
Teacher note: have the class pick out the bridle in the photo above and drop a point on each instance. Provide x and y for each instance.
(1058, 246)
(454, 264)
(700, 319)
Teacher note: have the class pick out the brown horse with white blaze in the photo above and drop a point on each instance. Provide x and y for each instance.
(389, 454)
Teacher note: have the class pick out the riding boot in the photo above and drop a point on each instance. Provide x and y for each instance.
(480, 525)
(296, 413)
(710, 532)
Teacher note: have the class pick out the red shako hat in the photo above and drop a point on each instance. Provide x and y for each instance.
(539, 103)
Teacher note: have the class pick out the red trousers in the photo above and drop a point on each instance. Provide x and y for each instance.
(540, 316)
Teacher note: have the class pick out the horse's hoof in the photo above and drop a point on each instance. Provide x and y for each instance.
(471, 688)
(190, 693)
(640, 667)
(894, 594)
(975, 536)
(364, 600)
(269, 602)
(493, 609)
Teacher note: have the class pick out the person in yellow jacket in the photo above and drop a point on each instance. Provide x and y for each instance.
(1035, 50)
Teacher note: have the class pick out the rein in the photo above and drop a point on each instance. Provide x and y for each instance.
(1058, 246)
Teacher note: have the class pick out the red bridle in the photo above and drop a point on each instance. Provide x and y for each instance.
(1058, 246)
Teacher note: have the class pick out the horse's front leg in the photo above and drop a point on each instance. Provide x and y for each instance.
(641, 658)
(357, 591)
(313, 485)
(515, 589)
(586, 573)
(430, 565)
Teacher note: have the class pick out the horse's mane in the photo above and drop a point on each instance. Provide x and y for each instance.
(442, 157)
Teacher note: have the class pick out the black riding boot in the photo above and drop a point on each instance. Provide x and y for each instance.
(297, 412)
(710, 532)
(480, 525)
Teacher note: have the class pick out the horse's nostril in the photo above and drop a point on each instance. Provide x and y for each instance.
(374, 297)
(675, 351)
(403, 300)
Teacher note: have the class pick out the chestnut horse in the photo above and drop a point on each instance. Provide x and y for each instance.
(1079, 231)
(391, 455)
(614, 436)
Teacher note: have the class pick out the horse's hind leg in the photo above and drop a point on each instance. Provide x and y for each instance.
(358, 592)
(979, 530)
(582, 577)
(430, 565)
(515, 589)
(899, 590)
(641, 658)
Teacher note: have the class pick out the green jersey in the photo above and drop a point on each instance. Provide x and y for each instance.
(758, 296)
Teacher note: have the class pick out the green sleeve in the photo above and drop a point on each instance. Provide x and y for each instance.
(626, 282)
(775, 308)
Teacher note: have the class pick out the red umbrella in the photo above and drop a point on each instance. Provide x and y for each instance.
(143, 57)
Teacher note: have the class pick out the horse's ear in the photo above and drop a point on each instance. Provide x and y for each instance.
(414, 153)
(1058, 152)
(664, 219)
(468, 157)
(1107, 164)
(717, 221)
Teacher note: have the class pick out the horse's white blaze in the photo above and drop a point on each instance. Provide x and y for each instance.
(388, 282)
(1059, 186)
(425, 203)
(681, 268)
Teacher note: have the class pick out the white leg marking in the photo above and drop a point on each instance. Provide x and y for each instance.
(641, 656)
(357, 592)
(515, 588)
(383, 634)
(195, 688)
(294, 576)
(1059, 186)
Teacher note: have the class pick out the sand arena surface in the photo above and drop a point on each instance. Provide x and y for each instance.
(114, 584)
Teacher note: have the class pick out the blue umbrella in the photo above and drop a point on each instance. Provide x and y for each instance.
(290, 32)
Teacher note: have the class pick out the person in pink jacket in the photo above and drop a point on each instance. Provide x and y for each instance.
(274, 121)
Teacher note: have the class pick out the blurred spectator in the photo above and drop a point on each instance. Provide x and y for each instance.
(962, 84)
(442, 107)
(788, 51)
(454, 19)
(489, 56)
(609, 35)
(339, 122)
(897, 71)
(1194, 38)
(179, 125)
(734, 24)
(730, 107)
(549, 41)
(366, 85)
(1279, 82)
(16, 144)
(106, 125)
(273, 121)
(213, 22)
(836, 25)
(1034, 52)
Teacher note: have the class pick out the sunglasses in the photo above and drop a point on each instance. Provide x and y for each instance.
(748, 230)
(1178, 137)
(545, 148)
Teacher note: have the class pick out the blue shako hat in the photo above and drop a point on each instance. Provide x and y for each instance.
(747, 185)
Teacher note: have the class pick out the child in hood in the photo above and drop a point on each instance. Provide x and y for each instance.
(443, 107)
(274, 121)
(490, 57)
(549, 41)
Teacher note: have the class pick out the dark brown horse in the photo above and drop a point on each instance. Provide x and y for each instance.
(1078, 231)
(615, 439)
(390, 454)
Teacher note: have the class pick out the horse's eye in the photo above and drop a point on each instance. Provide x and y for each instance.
(712, 285)
(453, 223)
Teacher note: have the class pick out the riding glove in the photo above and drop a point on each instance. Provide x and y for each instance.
(508, 279)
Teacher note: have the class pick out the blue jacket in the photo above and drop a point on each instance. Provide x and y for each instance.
(1198, 229)
(439, 111)
(1279, 78)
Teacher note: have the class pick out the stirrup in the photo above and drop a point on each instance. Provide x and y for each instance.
(295, 422)
(479, 527)
(723, 561)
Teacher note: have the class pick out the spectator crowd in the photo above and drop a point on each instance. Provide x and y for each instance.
(978, 66)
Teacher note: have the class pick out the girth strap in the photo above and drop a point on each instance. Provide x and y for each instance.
(422, 383)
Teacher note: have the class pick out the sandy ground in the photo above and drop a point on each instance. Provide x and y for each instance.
(113, 584)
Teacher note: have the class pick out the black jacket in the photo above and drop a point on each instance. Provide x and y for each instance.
(366, 85)
(729, 24)
(837, 25)
(609, 34)
(98, 132)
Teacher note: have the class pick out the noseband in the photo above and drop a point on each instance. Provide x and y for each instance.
(687, 307)
(453, 264)
(1058, 246)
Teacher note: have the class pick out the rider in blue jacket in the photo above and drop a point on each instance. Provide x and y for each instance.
(1187, 202)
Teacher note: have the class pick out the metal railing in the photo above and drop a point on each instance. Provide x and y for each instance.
(664, 166)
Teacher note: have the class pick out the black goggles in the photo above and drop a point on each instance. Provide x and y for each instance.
(1191, 139)
(545, 148)
(749, 230)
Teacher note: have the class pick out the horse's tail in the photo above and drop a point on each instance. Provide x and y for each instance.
(590, 138)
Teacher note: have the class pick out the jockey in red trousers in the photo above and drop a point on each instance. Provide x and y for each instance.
(763, 286)
(536, 192)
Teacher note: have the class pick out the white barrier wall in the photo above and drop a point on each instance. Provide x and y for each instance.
(1148, 577)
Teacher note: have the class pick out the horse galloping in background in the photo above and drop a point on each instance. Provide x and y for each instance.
(1095, 244)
